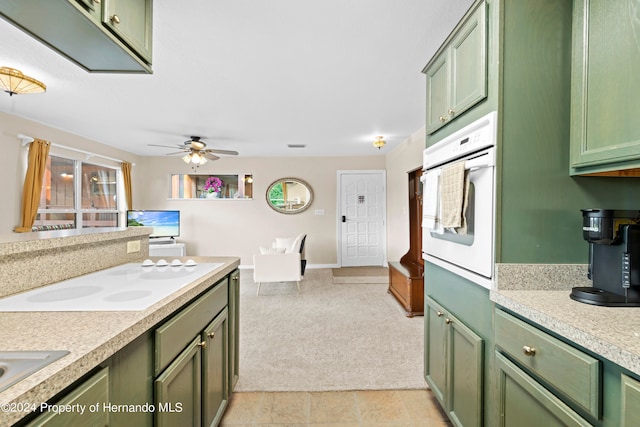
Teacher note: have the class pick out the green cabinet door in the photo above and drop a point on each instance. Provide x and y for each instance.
(469, 63)
(630, 402)
(464, 376)
(215, 374)
(438, 90)
(604, 106)
(523, 402)
(453, 365)
(131, 21)
(234, 329)
(435, 351)
(178, 389)
(94, 391)
(457, 74)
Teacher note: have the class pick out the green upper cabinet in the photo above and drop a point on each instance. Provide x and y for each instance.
(130, 20)
(88, 35)
(457, 74)
(606, 64)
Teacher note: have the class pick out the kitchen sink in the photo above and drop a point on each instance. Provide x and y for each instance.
(17, 365)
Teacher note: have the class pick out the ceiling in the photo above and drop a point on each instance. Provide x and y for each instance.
(250, 75)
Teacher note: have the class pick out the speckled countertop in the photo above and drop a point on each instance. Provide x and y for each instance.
(612, 332)
(90, 337)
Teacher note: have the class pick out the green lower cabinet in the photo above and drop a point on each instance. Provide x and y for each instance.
(234, 323)
(630, 412)
(453, 365)
(523, 402)
(178, 389)
(215, 372)
(193, 390)
(435, 350)
(94, 391)
(130, 383)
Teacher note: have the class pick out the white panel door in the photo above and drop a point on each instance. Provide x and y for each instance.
(362, 216)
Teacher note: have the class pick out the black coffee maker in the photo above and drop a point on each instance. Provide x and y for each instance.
(614, 258)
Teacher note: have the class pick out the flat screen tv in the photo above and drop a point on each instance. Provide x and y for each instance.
(164, 223)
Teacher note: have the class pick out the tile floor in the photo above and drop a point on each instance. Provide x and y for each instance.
(388, 408)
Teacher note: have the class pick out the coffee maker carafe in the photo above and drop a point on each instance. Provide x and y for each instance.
(614, 258)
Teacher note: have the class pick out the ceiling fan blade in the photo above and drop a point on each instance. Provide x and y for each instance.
(165, 146)
(177, 152)
(210, 156)
(228, 152)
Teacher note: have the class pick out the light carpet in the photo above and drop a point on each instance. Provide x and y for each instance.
(327, 337)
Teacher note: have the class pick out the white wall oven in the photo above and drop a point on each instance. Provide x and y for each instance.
(459, 181)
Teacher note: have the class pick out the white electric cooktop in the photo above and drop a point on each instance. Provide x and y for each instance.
(127, 287)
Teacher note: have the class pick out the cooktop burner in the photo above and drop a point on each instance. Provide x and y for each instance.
(596, 296)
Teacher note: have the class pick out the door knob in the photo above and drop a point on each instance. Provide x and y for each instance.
(344, 218)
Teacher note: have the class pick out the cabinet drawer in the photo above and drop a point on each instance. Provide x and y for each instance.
(94, 391)
(172, 337)
(523, 402)
(569, 371)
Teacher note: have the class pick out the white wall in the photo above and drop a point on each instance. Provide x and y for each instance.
(405, 158)
(229, 227)
(239, 227)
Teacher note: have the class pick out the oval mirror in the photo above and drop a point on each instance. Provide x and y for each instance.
(289, 195)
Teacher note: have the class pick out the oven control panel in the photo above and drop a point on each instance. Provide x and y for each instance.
(474, 137)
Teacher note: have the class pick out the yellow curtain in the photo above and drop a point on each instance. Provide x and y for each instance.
(38, 153)
(126, 173)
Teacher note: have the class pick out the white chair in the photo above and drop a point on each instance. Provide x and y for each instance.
(282, 262)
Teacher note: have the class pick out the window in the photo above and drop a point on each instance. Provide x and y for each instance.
(86, 202)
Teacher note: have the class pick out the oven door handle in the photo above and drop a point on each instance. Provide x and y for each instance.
(485, 160)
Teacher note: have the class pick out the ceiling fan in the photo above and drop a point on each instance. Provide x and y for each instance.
(196, 152)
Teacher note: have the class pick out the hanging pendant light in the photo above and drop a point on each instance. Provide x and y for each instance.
(379, 142)
(13, 82)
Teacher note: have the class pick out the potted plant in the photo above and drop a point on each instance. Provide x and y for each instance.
(212, 187)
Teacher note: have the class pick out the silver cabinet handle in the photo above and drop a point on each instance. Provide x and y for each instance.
(115, 19)
(529, 351)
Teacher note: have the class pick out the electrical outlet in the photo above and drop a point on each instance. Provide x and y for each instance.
(133, 246)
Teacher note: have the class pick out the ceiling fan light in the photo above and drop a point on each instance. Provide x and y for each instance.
(13, 82)
(187, 158)
(197, 158)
